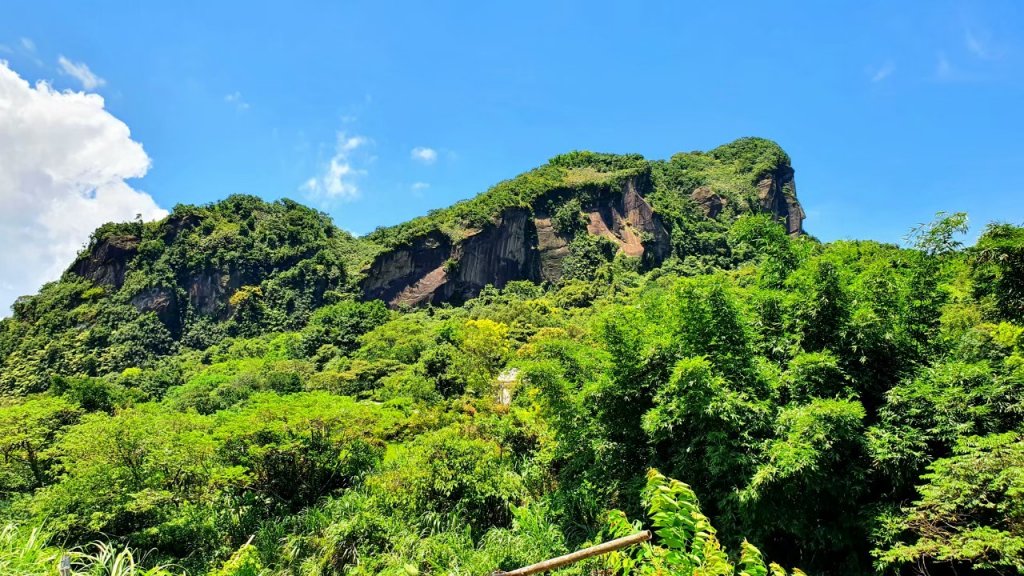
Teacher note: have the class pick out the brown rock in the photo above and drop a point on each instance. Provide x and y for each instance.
(777, 193)
(519, 245)
(394, 272)
(710, 203)
(628, 220)
(553, 248)
(495, 256)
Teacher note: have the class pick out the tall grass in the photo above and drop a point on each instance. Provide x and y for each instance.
(27, 552)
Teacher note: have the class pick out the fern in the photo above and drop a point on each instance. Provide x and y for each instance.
(687, 542)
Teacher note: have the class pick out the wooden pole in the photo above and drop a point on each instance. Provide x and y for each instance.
(578, 555)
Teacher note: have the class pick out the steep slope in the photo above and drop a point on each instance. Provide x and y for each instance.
(524, 228)
(196, 262)
(140, 290)
(242, 266)
(521, 243)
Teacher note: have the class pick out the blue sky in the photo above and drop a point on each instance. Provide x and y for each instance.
(890, 111)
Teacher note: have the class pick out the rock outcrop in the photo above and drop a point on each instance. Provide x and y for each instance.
(709, 202)
(552, 247)
(441, 259)
(522, 244)
(161, 301)
(777, 193)
(209, 290)
(410, 274)
(434, 270)
(107, 262)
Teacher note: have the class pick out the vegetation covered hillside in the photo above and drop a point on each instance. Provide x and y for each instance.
(141, 291)
(218, 394)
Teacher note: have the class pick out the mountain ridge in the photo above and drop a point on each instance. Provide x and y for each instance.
(243, 265)
(205, 385)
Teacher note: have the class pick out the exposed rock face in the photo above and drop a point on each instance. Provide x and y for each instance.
(638, 226)
(777, 193)
(710, 203)
(162, 301)
(552, 247)
(496, 255)
(628, 220)
(107, 262)
(520, 245)
(411, 274)
(209, 290)
(432, 270)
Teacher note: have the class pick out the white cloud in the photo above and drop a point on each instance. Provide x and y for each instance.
(883, 71)
(28, 44)
(80, 72)
(64, 170)
(424, 155)
(347, 144)
(336, 180)
(979, 43)
(235, 98)
(419, 186)
(974, 45)
(943, 68)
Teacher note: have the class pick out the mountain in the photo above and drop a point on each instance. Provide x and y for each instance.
(243, 266)
(533, 226)
(597, 344)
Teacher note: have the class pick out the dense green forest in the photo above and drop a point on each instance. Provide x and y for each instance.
(765, 402)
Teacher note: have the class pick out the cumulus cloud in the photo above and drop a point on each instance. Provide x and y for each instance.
(424, 155)
(79, 71)
(64, 170)
(337, 179)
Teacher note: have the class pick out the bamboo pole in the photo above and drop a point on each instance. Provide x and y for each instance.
(578, 555)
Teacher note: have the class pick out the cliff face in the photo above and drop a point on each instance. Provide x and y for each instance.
(433, 270)
(777, 193)
(189, 265)
(525, 228)
(107, 262)
(207, 291)
(411, 274)
(522, 244)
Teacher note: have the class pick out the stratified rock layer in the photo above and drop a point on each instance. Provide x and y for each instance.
(522, 244)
